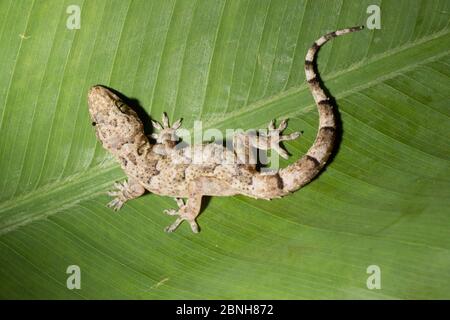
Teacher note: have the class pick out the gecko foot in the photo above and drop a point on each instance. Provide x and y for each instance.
(274, 137)
(123, 192)
(183, 215)
(118, 194)
(166, 132)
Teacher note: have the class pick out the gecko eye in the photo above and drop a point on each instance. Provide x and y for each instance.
(94, 123)
(122, 106)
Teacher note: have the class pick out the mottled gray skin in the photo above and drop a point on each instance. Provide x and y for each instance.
(166, 169)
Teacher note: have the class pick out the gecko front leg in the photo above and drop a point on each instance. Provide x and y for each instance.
(167, 136)
(125, 191)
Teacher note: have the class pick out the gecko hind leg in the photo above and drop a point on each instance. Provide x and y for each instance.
(271, 140)
(188, 212)
(274, 137)
(123, 192)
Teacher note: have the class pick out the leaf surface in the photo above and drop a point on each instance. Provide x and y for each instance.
(383, 200)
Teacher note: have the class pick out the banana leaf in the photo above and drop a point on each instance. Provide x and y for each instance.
(382, 201)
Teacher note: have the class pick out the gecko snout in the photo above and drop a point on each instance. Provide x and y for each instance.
(96, 90)
(100, 99)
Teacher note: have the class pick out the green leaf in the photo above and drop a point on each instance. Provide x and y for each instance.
(383, 200)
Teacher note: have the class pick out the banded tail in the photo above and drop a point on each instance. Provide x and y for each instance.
(306, 168)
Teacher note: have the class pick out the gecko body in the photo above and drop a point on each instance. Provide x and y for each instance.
(162, 167)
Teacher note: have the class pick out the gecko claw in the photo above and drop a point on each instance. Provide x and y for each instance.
(171, 212)
(174, 225)
(194, 226)
(118, 201)
(178, 221)
(115, 204)
(180, 202)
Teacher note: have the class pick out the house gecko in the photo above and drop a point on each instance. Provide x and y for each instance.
(162, 167)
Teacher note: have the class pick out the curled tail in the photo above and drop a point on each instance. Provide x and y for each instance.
(306, 168)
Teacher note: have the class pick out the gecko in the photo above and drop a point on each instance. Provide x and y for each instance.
(159, 165)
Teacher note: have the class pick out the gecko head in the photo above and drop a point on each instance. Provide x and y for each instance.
(115, 122)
